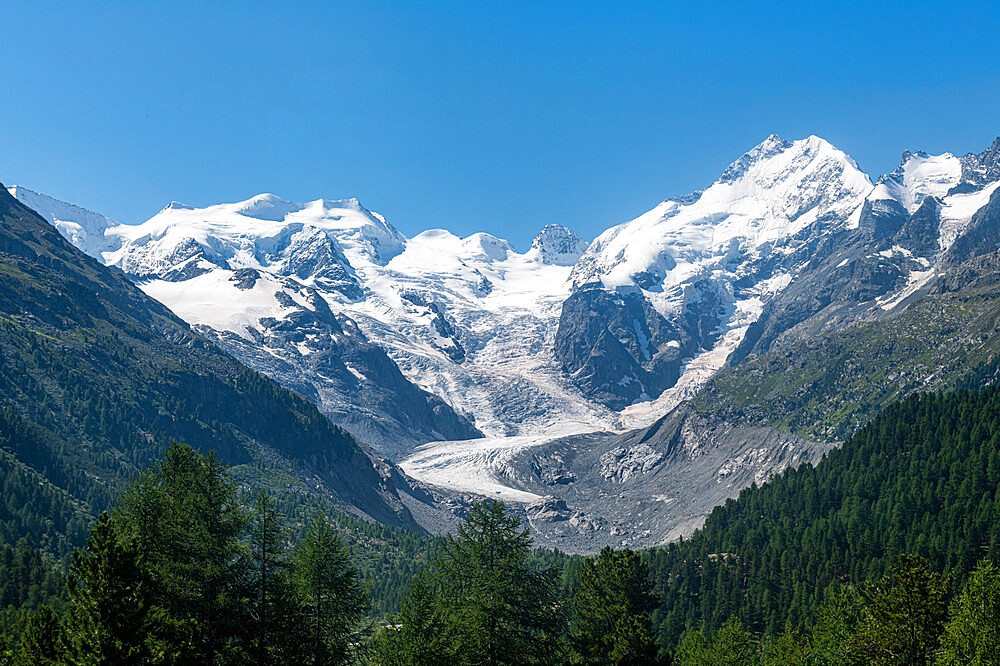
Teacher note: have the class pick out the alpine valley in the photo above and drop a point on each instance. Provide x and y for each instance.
(614, 391)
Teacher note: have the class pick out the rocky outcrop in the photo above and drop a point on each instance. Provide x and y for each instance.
(328, 359)
(648, 486)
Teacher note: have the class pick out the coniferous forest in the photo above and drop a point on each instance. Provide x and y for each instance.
(885, 552)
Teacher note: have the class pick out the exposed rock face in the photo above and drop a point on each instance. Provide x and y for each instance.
(691, 275)
(980, 170)
(826, 386)
(812, 248)
(649, 486)
(548, 508)
(982, 236)
(328, 359)
(556, 244)
(619, 349)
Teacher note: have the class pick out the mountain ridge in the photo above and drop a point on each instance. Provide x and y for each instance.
(101, 377)
(582, 358)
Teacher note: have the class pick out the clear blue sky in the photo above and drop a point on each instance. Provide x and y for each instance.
(499, 117)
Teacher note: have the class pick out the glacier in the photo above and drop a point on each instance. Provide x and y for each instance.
(507, 351)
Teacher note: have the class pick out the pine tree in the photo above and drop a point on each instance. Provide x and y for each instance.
(787, 649)
(612, 606)
(108, 619)
(275, 615)
(332, 597)
(417, 636)
(732, 646)
(832, 634)
(972, 635)
(41, 642)
(903, 615)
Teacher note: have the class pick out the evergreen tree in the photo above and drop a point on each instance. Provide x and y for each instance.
(732, 646)
(495, 608)
(612, 605)
(789, 648)
(920, 478)
(184, 517)
(418, 634)
(832, 636)
(275, 614)
(333, 599)
(903, 615)
(972, 635)
(108, 619)
(41, 642)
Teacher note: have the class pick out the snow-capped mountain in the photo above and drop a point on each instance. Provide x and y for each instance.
(567, 336)
(468, 319)
(83, 228)
(672, 293)
(284, 286)
(259, 277)
(437, 337)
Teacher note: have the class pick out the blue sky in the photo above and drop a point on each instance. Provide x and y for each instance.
(498, 117)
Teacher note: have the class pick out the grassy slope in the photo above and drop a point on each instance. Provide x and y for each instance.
(827, 386)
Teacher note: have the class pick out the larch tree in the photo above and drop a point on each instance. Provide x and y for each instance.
(332, 597)
(972, 635)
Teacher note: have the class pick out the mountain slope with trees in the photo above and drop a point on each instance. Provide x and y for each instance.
(921, 478)
(97, 379)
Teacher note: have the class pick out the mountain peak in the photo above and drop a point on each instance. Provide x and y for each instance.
(267, 207)
(558, 245)
(918, 176)
(982, 169)
(489, 245)
(771, 142)
(769, 147)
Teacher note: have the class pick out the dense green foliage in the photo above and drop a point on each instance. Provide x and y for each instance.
(184, 573)
(611, 605)
(922, 478)
(386, 557)
(481, 601)
(332, 598)
(185, 520)
(812, 567)
(972, 635)
(110, 612)
(899, 619)
(485, 600)
(28, 580)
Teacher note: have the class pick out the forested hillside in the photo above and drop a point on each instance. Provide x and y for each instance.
(855, 560)
(97, 379)
(923, 478)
